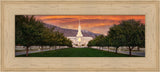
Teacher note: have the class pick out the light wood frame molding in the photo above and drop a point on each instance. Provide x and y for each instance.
(10, 8)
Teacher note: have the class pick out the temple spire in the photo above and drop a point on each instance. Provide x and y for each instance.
(79, 34)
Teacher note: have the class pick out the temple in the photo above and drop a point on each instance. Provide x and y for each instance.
(79, 41)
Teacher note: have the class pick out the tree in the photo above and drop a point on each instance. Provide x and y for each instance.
(133, 32)
(30, 31)
(141, 36)
(101, 41)
(98, 41)
(116, 37)
(107, 41)
(27, 31)
(129, 33)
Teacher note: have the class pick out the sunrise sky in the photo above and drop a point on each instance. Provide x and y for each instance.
(97, 24)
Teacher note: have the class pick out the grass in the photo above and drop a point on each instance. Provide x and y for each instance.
(76, 52)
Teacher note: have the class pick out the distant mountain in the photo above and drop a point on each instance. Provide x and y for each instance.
(71, 32)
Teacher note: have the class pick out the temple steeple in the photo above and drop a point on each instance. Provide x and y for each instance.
(79, 34)
(79, 41)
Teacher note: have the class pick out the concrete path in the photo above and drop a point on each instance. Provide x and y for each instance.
(24, 52)
(126, 52)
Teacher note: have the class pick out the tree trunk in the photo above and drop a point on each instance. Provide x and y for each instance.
(130, 51)
(42, 48)
(108, 48)
(50, 47)
(27, 49)
(55, 47)
(116, 49)
(138, 48)
(39, 48)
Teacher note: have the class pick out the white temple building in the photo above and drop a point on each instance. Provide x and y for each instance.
(79, 41)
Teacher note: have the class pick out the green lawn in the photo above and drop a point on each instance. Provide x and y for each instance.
(76, 52)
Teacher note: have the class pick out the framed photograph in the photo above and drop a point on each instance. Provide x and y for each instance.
(80, 36)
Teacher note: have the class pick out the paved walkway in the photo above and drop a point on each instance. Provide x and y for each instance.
(138, 53)
(24, 52)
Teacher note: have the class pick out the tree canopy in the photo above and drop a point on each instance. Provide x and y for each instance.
(30, 31)
(129, 33)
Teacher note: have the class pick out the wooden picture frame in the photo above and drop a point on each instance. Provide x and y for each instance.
(10, 8)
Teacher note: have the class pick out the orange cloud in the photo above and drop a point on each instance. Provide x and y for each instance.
(93, 23)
